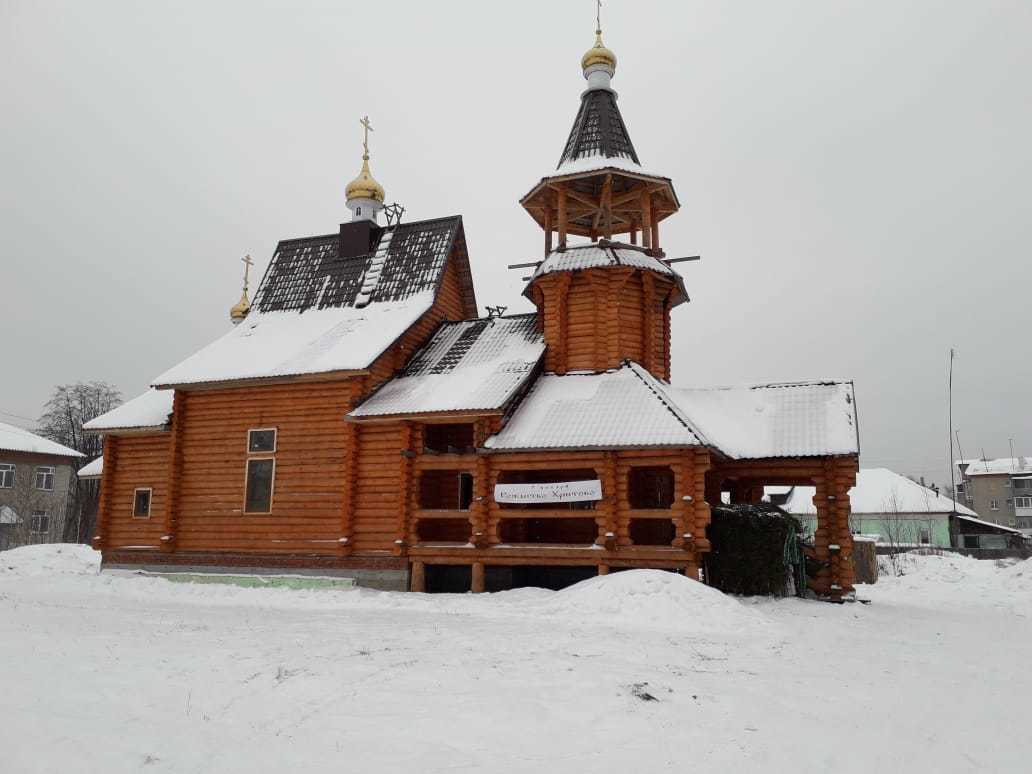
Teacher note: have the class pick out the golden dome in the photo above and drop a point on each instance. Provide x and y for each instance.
(598, 55)
(364, 186)
(239, 312)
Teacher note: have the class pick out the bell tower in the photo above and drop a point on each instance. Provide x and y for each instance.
(601, 300)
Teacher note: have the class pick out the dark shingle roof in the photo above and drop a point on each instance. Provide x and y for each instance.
(598, 130)
(310, 272)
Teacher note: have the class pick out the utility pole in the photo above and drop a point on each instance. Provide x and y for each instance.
(949, 402)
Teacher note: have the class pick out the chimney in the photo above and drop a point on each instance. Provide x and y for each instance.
(358, 237)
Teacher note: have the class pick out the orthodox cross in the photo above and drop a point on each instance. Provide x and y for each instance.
(248, 263)
(598, 16)
(366, 129)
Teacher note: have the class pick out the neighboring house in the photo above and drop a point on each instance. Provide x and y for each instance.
(36, 480)
(999, 490)
(885, 504)
(972, 532)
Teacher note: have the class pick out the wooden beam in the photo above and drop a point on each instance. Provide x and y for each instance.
(563, 224)
(548, 232)
(646, 219)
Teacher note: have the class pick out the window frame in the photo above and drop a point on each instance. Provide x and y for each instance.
(1023, 502)
(150, 501)
(272, 483)
(39, 513)
(275, 440)
(5, 468)
(43, 469)
(994, 504)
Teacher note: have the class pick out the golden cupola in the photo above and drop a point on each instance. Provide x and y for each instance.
(240, 310)
(598, 57)
(364, 194)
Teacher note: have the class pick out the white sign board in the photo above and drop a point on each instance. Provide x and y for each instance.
(563, 492)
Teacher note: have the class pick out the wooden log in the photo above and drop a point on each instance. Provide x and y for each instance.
(477, 579)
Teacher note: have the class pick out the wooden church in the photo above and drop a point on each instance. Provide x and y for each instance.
(361, 420)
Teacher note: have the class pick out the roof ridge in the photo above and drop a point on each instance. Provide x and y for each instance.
(656, 389)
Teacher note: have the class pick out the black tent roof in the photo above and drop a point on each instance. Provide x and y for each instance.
(598, 130)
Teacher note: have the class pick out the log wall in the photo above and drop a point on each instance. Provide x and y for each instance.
(136, 461)
(597, 318)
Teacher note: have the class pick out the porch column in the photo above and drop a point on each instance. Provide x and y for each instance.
(477, 578)
(417, 579)
(833, 542)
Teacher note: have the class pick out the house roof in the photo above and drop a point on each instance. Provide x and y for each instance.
(800, 419)
(319, 311)
(880, 491)
(998, 467)
(16, 439)
(472, 365)
(151, 410)
(598, 131)
(625, 407)
(93, 470)
(973, 520)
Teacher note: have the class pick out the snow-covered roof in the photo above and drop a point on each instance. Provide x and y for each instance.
(17, 439)
(593, 255)
(626, 407)
(318, 310)
(973, 520)
(93, 470)
(467, 366)
(880, 491)
(998, 467)
(150, 410)
(801, 419)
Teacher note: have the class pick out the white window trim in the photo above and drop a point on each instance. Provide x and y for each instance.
(994, 505)
(39, 514)
(275, 439)
(7, 467)
(150, 502)
(53, 478)
(272, 484)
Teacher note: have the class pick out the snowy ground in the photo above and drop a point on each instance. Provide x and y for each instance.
(102, 673)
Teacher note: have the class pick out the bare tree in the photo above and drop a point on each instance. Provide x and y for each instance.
(69, 408)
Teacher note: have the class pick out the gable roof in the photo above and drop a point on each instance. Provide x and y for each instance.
(471, 365)
(998, 467)
(801, 419)
(319, 311)
(598, 131)
(625, 407)
(17, 439)
(880, 491)
(151, 410)
(92, 470)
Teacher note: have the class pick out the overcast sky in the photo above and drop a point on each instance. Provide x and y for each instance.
(854, 174)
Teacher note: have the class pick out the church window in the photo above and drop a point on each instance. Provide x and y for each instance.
(263, 440)
(141, 503)
(261, 470)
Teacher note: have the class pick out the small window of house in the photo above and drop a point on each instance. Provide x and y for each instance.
(260, 475)
(39, 523)
(994, 505)
(448, 438)
(6, 475)
(926, 536)
(44, 478)
(261, 441)
(970, 541)
(651, 488)
(141, 503)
